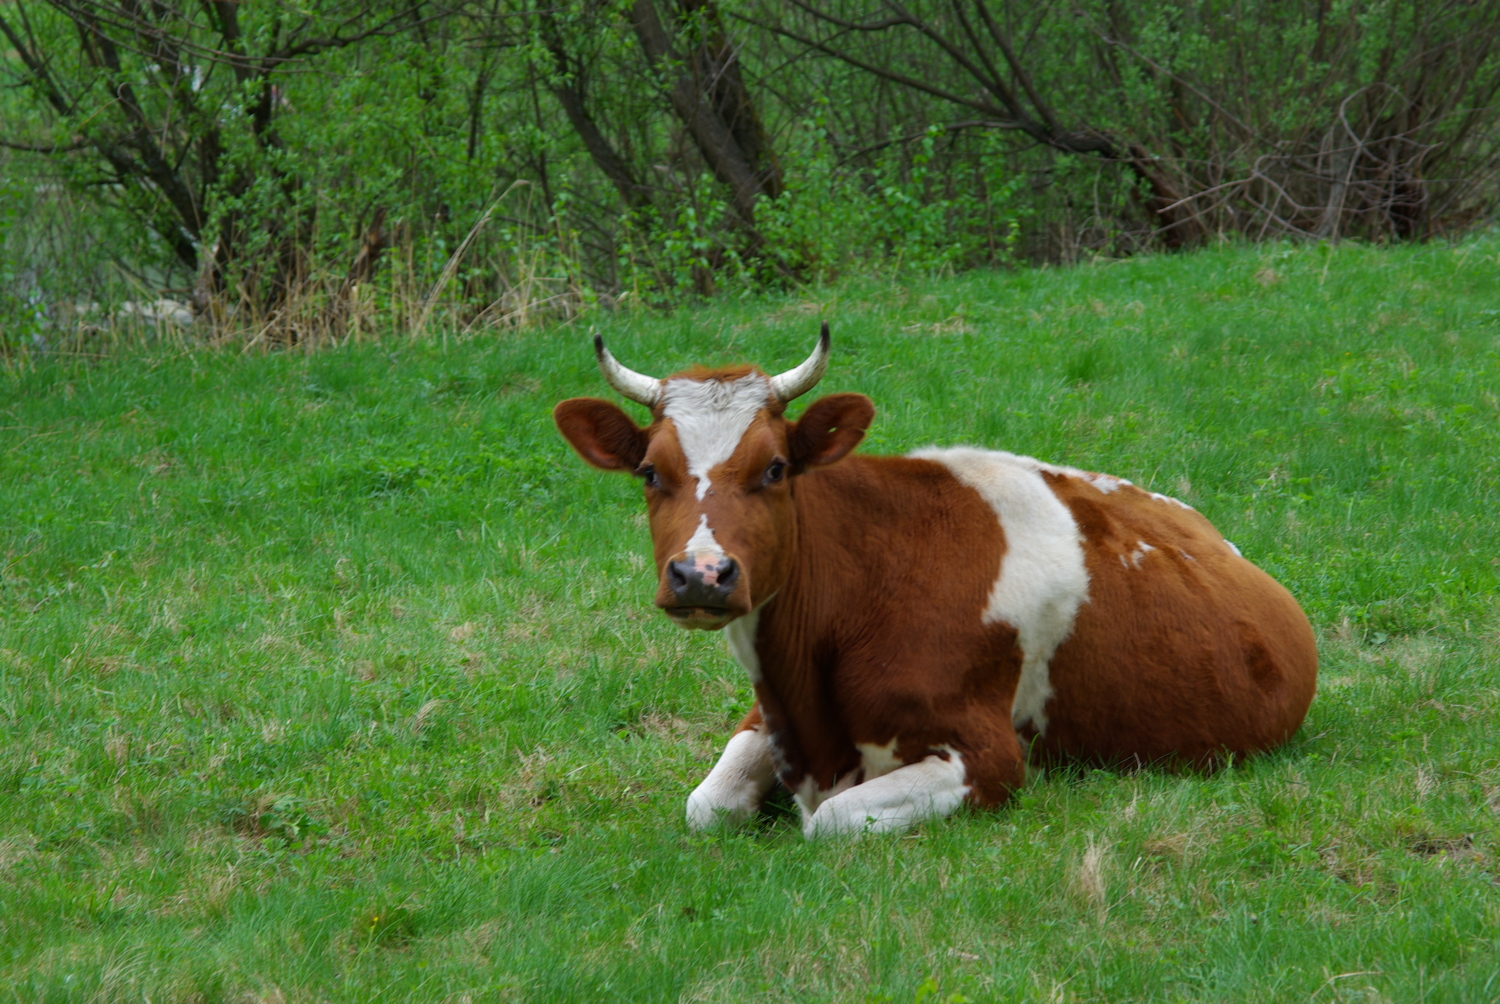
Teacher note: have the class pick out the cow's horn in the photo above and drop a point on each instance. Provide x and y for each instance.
(796, 382)
(639, 387)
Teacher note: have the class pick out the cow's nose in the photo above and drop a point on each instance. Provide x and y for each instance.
(703, 580)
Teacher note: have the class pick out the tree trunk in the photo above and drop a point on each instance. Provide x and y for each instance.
(711, 133)
(569, 91)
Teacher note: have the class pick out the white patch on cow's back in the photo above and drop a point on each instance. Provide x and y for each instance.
(739, 636)
(894, 801)
(733, 790)
(1042, 580)
(1236, 550)
(711, 417)
(703, 540)
(1106, 483)
(1169, 499)
(1138, 555)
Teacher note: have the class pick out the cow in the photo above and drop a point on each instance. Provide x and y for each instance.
(918, 628)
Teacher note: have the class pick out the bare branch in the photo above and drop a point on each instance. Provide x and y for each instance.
(879, 71)
(38, 68)
(913, 137)
(77, 144)
(1216, 106)
(1015, 66)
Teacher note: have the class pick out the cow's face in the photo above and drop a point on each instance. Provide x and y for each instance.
(718, 465)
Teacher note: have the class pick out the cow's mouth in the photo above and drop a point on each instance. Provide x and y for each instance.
(702, 618)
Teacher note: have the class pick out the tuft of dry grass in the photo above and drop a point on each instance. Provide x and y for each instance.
(1090, 880)
(1173, 847)
(425, 714)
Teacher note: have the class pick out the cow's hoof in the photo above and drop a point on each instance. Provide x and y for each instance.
(707, 813)
(831, 821)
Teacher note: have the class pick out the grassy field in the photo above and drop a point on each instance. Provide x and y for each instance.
(336, 678)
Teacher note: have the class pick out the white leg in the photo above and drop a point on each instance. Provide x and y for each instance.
(733, 790)
(894, 801)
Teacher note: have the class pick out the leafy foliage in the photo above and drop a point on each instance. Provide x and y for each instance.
(301, 174)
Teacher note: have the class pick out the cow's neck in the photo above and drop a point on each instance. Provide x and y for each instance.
(848, 516)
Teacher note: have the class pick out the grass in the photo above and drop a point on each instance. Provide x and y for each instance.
(334, 677)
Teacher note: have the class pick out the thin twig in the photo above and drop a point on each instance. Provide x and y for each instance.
(455, 259)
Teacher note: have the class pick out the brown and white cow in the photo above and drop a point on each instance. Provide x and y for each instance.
(915, 626)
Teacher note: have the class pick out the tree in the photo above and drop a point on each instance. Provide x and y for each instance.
(170, 111)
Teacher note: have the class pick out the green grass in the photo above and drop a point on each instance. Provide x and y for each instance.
(336, 678)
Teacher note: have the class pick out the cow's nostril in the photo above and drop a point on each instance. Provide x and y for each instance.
(701, 580)
(678, 575)
(729, 574)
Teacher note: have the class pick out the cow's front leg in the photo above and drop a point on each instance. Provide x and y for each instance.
(733, 790)
(934, 786)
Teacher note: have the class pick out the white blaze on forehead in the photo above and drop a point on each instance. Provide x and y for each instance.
(711, 417)
(1042, 579)
(703, 539)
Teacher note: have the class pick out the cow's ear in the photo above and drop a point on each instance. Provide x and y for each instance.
(829, 429)
(601, 433)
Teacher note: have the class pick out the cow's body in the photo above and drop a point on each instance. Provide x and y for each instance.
(937, 618)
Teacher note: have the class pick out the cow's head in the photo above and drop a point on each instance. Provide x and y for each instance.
(719, 463)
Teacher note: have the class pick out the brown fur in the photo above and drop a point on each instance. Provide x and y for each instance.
(1205, 656)
(879, 571)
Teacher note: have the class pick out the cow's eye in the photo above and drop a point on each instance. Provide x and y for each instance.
(648, 475)
(775, 472)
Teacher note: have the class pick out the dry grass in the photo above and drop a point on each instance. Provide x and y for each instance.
(506, 289)
(1090, 878)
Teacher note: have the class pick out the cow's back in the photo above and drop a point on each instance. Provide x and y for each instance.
(1178, 648)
